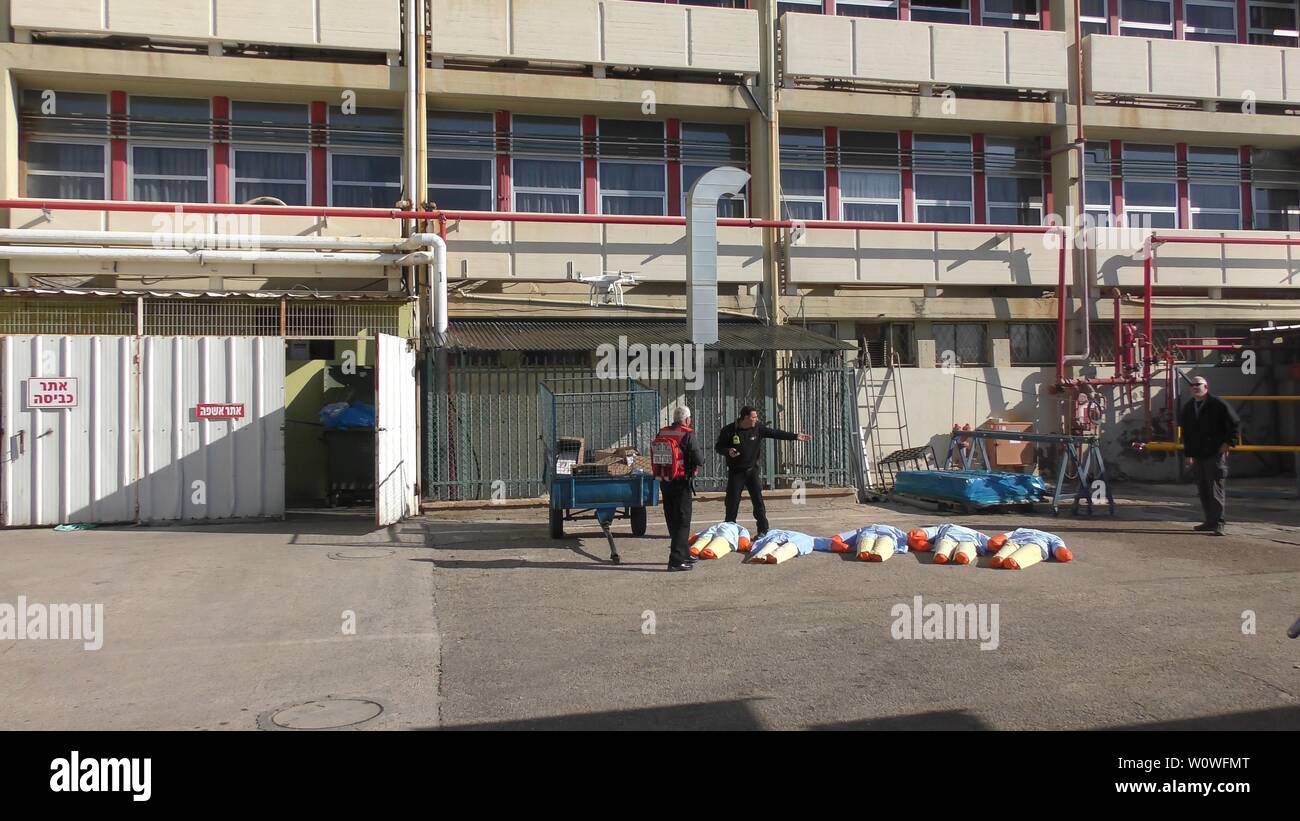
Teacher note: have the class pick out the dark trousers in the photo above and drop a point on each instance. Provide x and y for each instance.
(738, 480)
(1212, 485)
(677, 513)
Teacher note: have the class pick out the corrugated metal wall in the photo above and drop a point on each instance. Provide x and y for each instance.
(133, 449)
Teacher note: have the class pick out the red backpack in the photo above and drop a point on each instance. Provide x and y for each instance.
(666, 460)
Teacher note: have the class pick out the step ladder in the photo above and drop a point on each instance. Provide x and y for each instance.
(886, 442)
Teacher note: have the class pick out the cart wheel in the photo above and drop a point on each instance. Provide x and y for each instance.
(638, 521)
(557, 523)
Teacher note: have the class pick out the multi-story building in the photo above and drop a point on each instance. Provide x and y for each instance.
(934, 127)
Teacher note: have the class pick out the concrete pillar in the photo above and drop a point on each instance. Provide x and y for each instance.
(765, 141)
(8, 150)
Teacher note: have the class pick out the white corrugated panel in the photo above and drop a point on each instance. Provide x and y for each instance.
(133, 448)
(71, 464)
(216, 469)
(396, 434)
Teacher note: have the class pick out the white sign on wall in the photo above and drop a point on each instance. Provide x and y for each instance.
(51, 392)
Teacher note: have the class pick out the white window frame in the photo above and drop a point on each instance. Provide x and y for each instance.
(618, 193)
(919, 170)
(1172, 179)
(873, 4)
(1218, 182)
(479, 154)
(1292, 217)
(1103, 21)
(576, 157)
(70, 140)
(990, 203)
(742, 198)
(846, 201)
(814, 6)
(1010, 20)
(206, 148)
(1135, 29)
(362, 151)
(947, 15)
(267, 148)
(805, 166)
(1293, 34)
(1189, 29)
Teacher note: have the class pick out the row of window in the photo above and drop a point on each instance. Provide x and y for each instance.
(1032, 343)
(1268, 22)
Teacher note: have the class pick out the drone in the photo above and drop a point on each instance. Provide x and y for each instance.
(607, 289)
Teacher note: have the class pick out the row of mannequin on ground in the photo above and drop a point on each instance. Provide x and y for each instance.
(676, 458)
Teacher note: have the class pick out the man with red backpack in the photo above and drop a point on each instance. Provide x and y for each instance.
(675, 459)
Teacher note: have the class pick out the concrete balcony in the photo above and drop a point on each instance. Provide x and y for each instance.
(1117, 261)
(599, 33)
(1184, 69)
(906, 52)
(347, 25)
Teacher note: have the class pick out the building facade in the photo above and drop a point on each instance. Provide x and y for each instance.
(933, 126)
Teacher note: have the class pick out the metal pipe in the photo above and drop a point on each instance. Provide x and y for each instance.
(1178, 446)
(439, 284)
(212, 241)
(204, 257)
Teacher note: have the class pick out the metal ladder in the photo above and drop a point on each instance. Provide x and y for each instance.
(886, 432)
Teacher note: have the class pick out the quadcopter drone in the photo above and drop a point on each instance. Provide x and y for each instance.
(607, 288)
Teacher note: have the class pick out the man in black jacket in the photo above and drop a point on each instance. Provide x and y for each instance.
(677, 494)
(741, 442)
(1210, 429)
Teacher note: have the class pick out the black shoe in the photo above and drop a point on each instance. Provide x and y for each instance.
(1204, 528)
(675, 566)
(760, 535)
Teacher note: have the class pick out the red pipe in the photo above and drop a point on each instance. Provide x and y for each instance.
(1161, 238)
(1060, 316)
(1119, 338)
(1207, 347)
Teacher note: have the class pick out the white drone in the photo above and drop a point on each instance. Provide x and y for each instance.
(607, 289)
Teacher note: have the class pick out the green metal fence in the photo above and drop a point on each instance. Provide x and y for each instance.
(483, 427)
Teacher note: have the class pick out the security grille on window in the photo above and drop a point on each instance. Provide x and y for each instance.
(461, 160)
(1150, 186)
(803, 173)
(706, 147)
(270, 153)
(64, 158)
(1033, 343)
(944, 179)
(871, 187)
(878, 9)
(1014, 181)
(633, 173)
(1097, 193)
(878, 340)
(1011, 14)
(1272, 23)
(1164, 337)
(365, 157)
(170, 149)
(1093, 17)
(941, 11)
(1146, 18)
(556, 359)
(1210, 20)
(1214, 187)
(965, 344)
(1276, 182)
(547, 162)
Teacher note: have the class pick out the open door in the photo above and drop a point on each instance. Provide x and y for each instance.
(396, 432)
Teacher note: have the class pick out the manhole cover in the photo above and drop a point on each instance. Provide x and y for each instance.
(322, 714)
(362, 553)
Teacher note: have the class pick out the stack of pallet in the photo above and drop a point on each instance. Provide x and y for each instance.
(613, 462)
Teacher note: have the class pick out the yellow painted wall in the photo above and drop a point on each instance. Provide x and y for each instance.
(304, 395)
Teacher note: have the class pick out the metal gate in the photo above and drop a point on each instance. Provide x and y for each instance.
(482, 438)
(396, 432)
(140, 429)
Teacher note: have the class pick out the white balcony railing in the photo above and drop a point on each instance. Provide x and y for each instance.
(598, 33)
(360, 25)
(893, 51)
(1139, 66)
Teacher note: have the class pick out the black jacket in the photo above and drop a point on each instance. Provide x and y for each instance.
(1204, 433)
(748, 441)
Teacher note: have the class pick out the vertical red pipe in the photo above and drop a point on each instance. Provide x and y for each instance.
(1148, 263)
(320, 194)
(1049, 199)
(504, 177)
(905, 163)
(117, 147)
(590, 182)
(978, 180)
(221, 150)
(674, 156)
(1060, 306)
(832, 173)
(1184, 204)
(1119, 340)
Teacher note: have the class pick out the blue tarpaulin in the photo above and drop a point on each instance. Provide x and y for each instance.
(977, 488)
(343, 416)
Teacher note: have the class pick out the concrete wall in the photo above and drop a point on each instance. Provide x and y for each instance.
(924, 257)
(369, 25)
(1183, 68)
(598, 32)
(915, 52)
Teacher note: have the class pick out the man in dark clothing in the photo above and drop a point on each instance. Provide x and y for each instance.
(677, 494)
(741, 442)
(1210, 429)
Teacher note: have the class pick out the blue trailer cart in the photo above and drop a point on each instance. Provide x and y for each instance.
(601, 417)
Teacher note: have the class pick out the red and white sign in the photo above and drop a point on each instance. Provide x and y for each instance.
(51, 392)
(214, 411)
